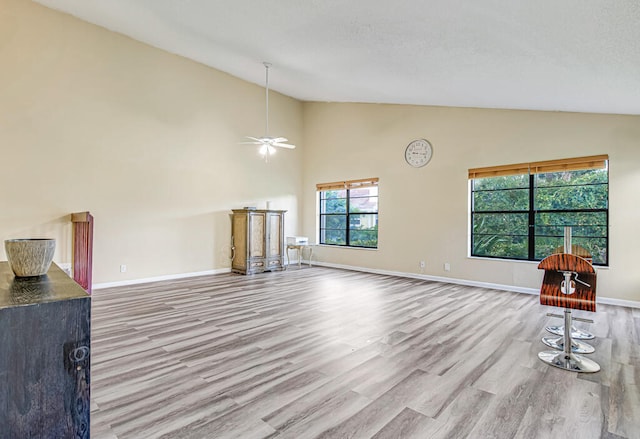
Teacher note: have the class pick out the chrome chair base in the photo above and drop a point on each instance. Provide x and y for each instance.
(566, 357)
(577, 347)
(576, 334)
(569, 361)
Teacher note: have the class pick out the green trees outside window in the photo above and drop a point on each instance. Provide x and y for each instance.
(523, 216)
(349, 217)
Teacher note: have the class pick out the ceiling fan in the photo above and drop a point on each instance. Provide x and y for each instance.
(268, 144)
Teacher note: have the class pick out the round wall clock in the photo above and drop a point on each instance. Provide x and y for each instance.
(418, 153)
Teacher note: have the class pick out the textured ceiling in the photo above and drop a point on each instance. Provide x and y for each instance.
(559, 55)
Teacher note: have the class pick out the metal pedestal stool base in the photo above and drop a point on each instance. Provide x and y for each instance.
(570, 361)
(577, 347)
(565, 359)
(576, 334)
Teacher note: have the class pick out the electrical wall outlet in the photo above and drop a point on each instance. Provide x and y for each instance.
(123, 268)
(422, 264)
(447, 266)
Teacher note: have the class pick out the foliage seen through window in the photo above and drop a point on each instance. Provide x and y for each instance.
(349, 217)
(523, 216)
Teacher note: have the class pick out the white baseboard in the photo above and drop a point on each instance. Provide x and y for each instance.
(159, 278)
(472, 283)
(450, 280)
(618, 302)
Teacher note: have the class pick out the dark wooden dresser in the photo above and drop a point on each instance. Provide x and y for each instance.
(45, 339)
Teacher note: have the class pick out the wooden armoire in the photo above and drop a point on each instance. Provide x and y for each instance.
(257, 238)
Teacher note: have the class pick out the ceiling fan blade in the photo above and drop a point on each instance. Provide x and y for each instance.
(250, 143)
(255, 138)
(284, 145)
(279, 140)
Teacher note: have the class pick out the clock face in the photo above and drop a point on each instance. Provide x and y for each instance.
(418, 153)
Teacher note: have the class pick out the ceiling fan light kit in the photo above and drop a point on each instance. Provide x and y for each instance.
(268, 144)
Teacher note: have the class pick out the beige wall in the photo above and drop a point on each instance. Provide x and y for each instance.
(147, 141)
(143, 139)
(424, 212)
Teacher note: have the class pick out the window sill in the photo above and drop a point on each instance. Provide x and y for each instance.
(519, 261)
(346, 247)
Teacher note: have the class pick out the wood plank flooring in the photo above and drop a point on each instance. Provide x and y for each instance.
(325, 353)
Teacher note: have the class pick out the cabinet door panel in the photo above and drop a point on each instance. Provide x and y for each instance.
(240, 241)
(275, 238)
(45, 370)
(256, 232)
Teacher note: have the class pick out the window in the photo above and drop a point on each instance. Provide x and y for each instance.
(520, 211)
(349, 213)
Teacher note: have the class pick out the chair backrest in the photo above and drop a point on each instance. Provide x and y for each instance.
(575, 250)
(551, 294)
(566, 262)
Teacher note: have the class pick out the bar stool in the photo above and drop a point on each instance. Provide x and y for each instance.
(569, 282)
(576, 334)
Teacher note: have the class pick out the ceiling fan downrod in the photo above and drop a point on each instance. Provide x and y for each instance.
(266, 91)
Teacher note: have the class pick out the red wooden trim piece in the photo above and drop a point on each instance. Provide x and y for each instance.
(82, 249)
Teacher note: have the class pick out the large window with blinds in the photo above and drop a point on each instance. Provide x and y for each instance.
(349, 213)
(520, 211)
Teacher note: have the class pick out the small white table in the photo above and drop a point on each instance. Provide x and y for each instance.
(300, 248)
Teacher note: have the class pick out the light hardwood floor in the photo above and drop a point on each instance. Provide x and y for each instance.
(325, 353)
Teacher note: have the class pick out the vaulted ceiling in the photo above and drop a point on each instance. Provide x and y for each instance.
(558, 55)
